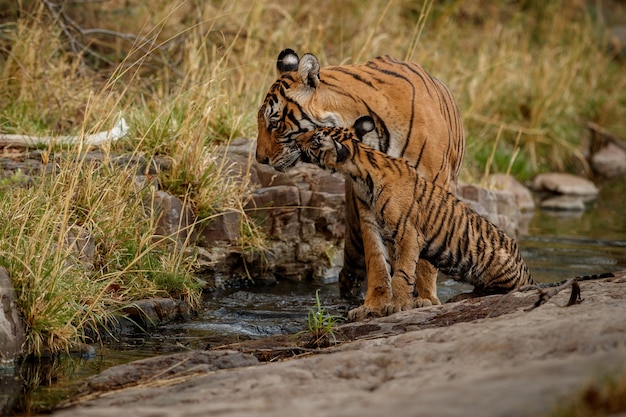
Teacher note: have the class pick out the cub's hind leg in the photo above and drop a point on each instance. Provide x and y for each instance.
(425, 284)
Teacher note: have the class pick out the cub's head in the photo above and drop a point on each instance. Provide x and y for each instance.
(329, 147)
(289, 109)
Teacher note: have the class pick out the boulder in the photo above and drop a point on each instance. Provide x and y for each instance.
(174, 218)
(563, 183)
(223, 228)
(607, 152)
(152, 312)
(564, 202)
(12, 330)
(609, 162)
(523, 197)
(498, 206)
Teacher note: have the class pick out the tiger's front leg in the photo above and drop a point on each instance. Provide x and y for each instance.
(407, 249)
(426, 284)
(378, 293)
(353, 272)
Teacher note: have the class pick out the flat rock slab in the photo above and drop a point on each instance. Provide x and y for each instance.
(563, 183)
(564, 202)
(486, 357)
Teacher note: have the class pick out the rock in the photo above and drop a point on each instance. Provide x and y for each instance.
(563, 183)
(607, 152)
(523, 198)
(152, 312)
(175, 366)
(484, 357)
(82, 245)
(274, 198)
(564, 202)
(223, 228)
(12, 331)
(175, 219)
(609, 162)
(498, 206)
(485, 200)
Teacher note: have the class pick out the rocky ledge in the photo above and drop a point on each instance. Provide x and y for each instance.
(488, 356)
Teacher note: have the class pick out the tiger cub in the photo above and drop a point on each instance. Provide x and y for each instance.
(418, 218)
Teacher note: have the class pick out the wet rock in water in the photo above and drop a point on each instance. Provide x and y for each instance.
(152, 312)
(12, 332)
(563, 183)
(566, 192)
(564, 202)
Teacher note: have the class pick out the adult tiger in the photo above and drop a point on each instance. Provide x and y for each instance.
(416, 118)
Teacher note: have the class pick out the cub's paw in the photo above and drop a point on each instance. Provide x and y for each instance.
(425, 302)
(392, 308)
(362, 313)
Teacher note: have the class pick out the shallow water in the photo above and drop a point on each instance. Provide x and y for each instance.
(556, 246)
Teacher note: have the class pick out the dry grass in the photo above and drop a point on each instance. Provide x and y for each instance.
(190, 75)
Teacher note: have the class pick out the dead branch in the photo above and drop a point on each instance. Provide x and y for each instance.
(544, 294)
(119, 130)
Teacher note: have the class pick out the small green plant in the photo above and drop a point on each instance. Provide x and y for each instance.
(321, 326)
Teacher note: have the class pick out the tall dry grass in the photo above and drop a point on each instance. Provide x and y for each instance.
(189, 75)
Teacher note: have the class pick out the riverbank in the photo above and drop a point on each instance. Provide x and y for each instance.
(443, 360)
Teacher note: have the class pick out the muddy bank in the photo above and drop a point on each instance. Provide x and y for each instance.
(475, 357)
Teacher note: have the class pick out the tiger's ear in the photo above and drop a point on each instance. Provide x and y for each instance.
(287, 61)
(342, 152)
(309, 70)
(363, 125)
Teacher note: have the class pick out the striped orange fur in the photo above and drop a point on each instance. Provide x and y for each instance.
(415, 118)
(418, 218)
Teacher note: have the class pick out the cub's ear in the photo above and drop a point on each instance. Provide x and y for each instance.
(342, 152)
(363, 125)
(287, 61)
(309, 70)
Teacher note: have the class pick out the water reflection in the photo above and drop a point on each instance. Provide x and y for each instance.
(591, 242)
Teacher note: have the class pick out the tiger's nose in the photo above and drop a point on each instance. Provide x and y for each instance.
(263, 160)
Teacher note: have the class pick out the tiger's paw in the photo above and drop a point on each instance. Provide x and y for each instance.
(392, 308)
(362, 313)
(425, 302)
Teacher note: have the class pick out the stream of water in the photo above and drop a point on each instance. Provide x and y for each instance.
(556, 246)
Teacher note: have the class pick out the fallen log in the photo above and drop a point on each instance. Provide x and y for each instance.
(96, 139)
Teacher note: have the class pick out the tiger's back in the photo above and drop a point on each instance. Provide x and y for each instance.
(420, 218)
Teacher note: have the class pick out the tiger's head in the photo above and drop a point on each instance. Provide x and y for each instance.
(328, 147)
(289, 109)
